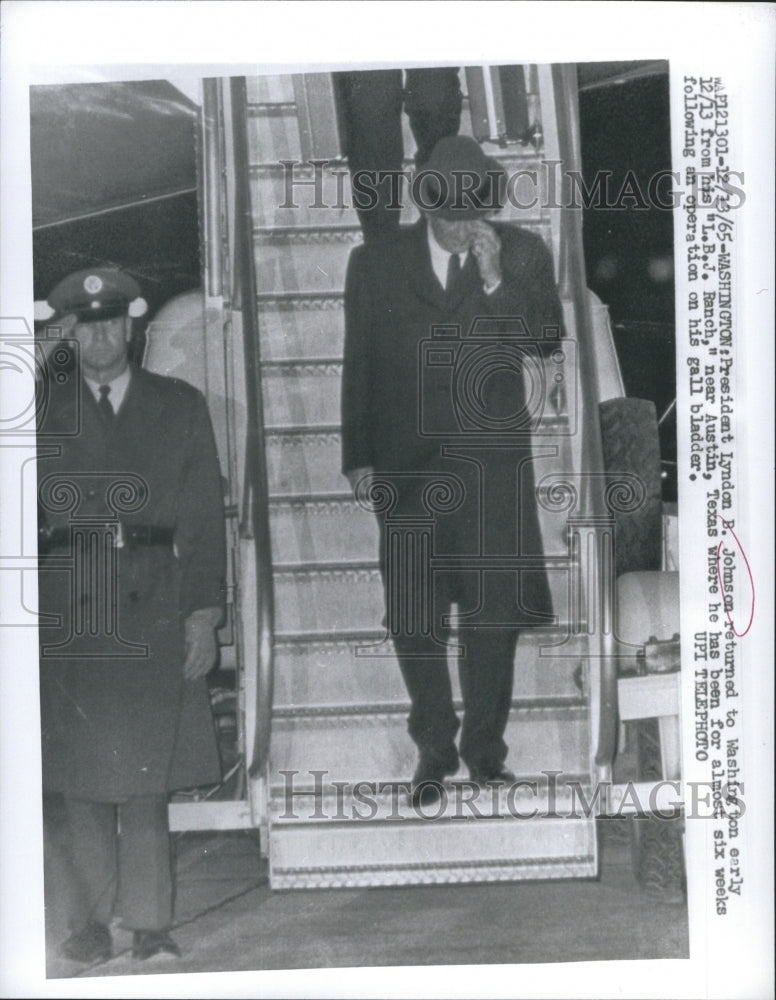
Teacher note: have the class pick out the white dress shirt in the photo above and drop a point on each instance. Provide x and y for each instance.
(441, 257)
(118, 388)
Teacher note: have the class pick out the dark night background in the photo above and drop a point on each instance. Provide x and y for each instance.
(629, 253)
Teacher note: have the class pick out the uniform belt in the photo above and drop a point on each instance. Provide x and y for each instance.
(133, 536)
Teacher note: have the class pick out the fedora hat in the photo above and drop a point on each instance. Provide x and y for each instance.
(459, 181)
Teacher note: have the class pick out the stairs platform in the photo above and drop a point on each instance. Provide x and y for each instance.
(373, 836)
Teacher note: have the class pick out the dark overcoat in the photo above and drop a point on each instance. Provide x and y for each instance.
(118, 718)
(402, 387)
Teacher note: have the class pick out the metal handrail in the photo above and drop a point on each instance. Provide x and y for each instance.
(211, 181)
(573, 282)
(255, 521)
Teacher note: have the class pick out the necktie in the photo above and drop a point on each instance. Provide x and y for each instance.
(453, 272)
(104, 405)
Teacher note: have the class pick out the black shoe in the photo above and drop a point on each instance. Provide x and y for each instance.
(92, 943)
(428, 777)
(426, 792)
(498, 775)
(148, 943)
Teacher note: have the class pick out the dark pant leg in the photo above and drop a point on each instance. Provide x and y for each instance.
(91, 837)
(432, 723)
(488, 608)
(416, 600)
(145, 864)
(433, 103)
(487, 673)
(370, 103)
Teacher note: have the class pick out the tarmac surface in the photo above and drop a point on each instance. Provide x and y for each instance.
(228, 920)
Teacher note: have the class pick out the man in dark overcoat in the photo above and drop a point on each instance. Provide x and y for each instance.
(440, 323)
(131, 589)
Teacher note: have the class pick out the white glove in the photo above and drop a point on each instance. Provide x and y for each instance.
(200, 639)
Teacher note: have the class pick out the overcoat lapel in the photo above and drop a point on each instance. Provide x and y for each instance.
(142, 405)
(424, 281)
(420, 272)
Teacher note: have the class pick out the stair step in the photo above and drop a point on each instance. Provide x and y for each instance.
(449, 852)
(302, 395)
(317, 265)
(276, 136)
(273, 132)
(343, 599)
(374, 745)
(349, 671)
(305, 393)
(298, 195)
(294, 193)
(346, 597)
(322, 529)
(302, 332)
(313, 799)
(334, 527)
(305, 462)
(401, 706)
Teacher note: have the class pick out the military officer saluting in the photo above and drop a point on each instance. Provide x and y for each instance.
(131, 589)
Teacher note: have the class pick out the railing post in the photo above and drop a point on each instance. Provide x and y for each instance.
(256, 515)
(597, 577)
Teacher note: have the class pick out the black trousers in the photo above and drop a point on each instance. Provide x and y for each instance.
(120, 862)
(429, 562)
(371, 103)
(486, 672)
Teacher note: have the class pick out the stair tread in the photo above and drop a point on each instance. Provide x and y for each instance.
(460, 800)
(425, 850)
(535, 635)
(539, 703)
(342, 566)
(273, 109)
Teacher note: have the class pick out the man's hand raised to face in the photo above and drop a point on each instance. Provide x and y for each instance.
(486, 247)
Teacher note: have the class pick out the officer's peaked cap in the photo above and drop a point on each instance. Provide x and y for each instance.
(90, 295)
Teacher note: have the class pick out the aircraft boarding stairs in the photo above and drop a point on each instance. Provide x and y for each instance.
(339, 714)
(321, 711)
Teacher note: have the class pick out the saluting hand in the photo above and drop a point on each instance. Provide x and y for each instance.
(486, 247)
